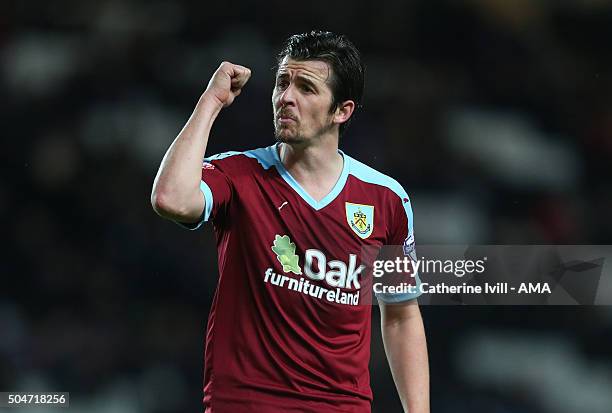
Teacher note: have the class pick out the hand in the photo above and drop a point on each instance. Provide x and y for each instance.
(227, 83)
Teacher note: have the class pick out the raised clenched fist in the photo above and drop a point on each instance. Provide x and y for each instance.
(227, 83)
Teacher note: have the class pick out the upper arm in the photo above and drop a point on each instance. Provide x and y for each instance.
(401, 239)
(216, 192)
(167, 205)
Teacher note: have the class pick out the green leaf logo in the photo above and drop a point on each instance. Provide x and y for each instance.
(285, 253)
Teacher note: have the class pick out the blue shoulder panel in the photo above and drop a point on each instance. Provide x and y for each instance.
(370, 175)
(265, 156)
(222, 155)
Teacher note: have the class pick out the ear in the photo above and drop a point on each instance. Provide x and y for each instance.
(344, 111)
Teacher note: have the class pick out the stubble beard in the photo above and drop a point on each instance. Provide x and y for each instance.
(287, 136)
(296, 138)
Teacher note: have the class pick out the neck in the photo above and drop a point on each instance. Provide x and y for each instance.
(316, 168)
(311, 159)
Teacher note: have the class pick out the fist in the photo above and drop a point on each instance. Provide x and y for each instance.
(227, 83)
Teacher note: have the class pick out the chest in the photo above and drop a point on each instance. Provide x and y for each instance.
(339, 227)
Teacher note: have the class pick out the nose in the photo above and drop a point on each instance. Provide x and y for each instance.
(287, 96)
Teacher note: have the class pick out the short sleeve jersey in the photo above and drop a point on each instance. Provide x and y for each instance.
(288, 330)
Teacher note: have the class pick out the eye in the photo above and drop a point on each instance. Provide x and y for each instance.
(307, 88)
(282, 83)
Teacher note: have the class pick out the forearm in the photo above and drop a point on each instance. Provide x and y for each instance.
(406, 349)
(176, 192)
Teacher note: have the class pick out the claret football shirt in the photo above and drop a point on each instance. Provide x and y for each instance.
(289, 326)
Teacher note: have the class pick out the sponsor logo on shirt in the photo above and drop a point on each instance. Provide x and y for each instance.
(285, 254)
(335, 274)
(360, 219)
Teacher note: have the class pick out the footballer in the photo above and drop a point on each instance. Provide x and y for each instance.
(288, 330)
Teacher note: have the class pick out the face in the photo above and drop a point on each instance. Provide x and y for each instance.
(302, 101)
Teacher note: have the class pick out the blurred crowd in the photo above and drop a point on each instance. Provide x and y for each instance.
(495, 115)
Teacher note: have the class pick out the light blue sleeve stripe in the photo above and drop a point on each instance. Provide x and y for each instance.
(208, 204)
(208, 200)
(409, 216)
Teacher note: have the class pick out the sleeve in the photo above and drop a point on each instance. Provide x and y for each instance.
(217, 189)
(401, 239)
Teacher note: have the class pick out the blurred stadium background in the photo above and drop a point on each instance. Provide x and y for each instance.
(495, 115)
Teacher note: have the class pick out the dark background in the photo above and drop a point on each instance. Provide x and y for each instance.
(495, 115)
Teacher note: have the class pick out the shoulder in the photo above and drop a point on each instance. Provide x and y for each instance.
(245, 161)
(369, 175)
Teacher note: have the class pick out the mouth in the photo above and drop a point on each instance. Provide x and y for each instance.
(285, 117)
(285, 120)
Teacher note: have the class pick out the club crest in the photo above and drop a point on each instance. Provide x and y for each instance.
(360, 218)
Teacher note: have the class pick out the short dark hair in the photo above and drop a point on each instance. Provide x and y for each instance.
(336, 50)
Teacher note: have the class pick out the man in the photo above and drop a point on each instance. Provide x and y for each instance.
(286, 331)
